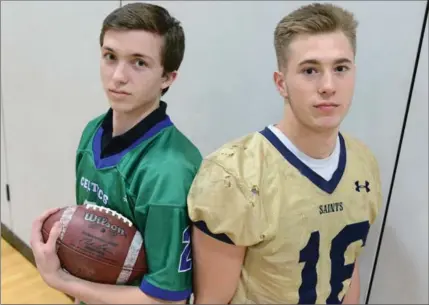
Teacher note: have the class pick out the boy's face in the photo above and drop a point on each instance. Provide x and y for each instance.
(131, 70)
(319, 79)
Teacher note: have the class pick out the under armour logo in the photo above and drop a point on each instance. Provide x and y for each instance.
(365, 186)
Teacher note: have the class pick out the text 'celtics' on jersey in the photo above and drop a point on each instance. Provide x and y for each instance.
(303, 233)
(147, 183)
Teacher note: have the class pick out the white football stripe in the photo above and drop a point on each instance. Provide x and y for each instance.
(130, 260)
(65, 220)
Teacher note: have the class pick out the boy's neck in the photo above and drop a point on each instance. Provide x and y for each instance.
(124, 121)
(317, 145)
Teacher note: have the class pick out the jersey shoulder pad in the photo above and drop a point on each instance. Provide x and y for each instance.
(366, 161)
(241, 157)
(225, 193)
(181, 151)
(162, 182)
(361, 150)
(89, 130)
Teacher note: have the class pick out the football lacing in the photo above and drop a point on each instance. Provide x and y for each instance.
(107, 211)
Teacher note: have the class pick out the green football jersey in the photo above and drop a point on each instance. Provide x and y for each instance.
(148, 183)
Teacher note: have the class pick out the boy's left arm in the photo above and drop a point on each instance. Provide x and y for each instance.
(353, 294)
(95, 293)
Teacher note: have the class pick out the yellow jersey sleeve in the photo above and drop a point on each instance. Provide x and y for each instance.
(225, 206)
(369, 162)
(378, 196)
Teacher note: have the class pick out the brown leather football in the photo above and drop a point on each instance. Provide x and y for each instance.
(98, 244)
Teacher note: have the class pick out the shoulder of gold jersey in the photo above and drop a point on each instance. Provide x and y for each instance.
(224, 196)
(359, 149)
(240, 156)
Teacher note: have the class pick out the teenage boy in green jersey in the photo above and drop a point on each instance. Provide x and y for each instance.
(135, 161)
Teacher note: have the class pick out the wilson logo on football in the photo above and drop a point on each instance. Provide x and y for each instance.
(116, 230)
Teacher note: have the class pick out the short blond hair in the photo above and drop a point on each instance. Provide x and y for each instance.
(315, 18)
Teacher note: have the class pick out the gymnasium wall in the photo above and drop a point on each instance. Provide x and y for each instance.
(50, 88)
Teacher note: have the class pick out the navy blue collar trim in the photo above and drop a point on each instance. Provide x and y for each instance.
(327, 186)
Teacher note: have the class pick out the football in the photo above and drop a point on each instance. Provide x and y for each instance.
(98, 244)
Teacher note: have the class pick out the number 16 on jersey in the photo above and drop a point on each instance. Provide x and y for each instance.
(339, 271)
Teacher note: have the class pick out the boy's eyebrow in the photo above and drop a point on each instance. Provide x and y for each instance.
(316, 62)
(133, 55)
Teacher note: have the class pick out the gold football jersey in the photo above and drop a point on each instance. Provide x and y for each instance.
(303, 233)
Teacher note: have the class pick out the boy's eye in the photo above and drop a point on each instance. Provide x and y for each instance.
(342, 68)
(140, 63)
(309, 70)
(109, 56)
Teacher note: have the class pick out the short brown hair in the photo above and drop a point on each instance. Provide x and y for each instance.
(315, 18)
(154, 19)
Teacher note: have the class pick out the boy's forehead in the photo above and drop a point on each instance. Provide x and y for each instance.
(320, 47)
(132, 42)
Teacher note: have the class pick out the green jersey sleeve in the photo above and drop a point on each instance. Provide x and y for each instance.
(165, 226)
(168, 252)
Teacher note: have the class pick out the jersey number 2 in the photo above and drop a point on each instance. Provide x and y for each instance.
(185, 256)
(339, 272)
